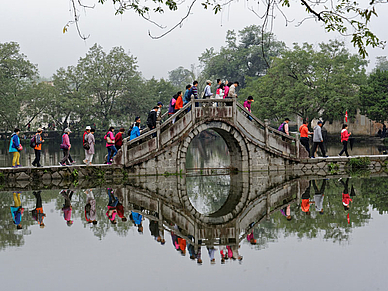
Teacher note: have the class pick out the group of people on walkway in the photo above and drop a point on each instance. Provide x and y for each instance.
(318, 138)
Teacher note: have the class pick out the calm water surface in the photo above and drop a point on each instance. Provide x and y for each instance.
(335, 250)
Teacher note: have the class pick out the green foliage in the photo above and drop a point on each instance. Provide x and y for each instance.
(17, 77)
(246, 56)
(309, 83)
(359, 163)
(374, 96)
(333, 168)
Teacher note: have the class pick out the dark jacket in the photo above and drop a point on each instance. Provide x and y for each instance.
(151, 120)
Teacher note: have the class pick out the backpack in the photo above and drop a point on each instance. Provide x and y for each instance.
(281, 127)
(33, 142)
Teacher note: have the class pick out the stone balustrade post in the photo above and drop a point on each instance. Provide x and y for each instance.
(266, 134)
(158, 139)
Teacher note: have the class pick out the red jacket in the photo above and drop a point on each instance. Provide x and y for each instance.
(119, 139)
(344, 135)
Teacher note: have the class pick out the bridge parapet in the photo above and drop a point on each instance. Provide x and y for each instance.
(253, 144)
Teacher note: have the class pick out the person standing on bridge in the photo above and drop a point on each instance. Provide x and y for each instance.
(344, 140)
(85, 143)
(65, 146)
(207, 93)
(178, 105)
(135, 132)
(15, 147)
(119, 138)
(194, 91)
(318, 140)
(110, 145)
(187, 96)
(247, 105)
(91, 141)
(232, 93)
(304, 136)
(151, 119)
(38, 147)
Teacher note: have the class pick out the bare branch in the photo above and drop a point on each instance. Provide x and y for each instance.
(177, 25)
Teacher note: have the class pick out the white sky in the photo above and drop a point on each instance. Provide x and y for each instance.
(37, 26)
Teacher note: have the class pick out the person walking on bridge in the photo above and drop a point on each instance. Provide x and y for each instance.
(344, 140)
(91, 141)
(304, 136)
(15, 147)
(110, 145)
(318, 140)
(85, 143)
(38, 147)
(207, 93)
(135, 132)
(65, 146)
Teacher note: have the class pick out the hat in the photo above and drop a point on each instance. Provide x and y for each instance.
(40, 129)
(319, 122)
(88, 128)
(208, 81)
(67, 129)
(160, 103)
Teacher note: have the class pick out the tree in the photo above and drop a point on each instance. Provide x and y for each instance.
(381, 64)
(247, 56)
(180, 77)
(17, 75)
(308, 83)
(374, 96)
(347, 17)
(110, 79)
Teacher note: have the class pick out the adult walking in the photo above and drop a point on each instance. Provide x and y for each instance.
(85, 143)
(194, 90)
(304, 136)
(119, 138)
(232, 93)
(15, 147)
(38, 147)
(110, 145)
(344, 140)
(207, 93)
(65, 146)
(151, 119)
(318, 140)
(91, 142)
(135, 132)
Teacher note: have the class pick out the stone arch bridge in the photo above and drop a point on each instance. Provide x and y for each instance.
(253, 144)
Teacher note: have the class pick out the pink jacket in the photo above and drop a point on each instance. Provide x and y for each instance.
(66, 139)
(112, 137)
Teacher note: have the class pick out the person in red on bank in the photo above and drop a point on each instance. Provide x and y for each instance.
(304, 136)
(344, 139)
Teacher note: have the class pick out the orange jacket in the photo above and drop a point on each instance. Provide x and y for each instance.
(179, 103)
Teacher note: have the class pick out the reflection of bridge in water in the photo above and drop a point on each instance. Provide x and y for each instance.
(251, 199)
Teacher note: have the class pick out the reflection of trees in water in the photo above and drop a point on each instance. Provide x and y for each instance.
(208, 193)
(211, 152)
(333, 224)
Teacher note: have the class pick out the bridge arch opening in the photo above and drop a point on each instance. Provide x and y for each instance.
(236, 146)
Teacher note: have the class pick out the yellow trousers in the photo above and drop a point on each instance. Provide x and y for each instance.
(16, 199)
(15, 160)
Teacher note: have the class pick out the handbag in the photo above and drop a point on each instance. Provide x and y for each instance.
(20, 147)
(86, 146)
(64, 146)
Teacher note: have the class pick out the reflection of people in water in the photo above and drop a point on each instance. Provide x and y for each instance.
(224, 254)
(178, 242)
(67, 208)
(233, 252)
(112, 212)
(37, 213)
(211, 250)
(319, 195)
(191, 247)
(137, 220)
(90, 207)
(345, 194)
(120, 207)
(17, 210)
(156, 232)
(305, 206)
(251, 238)
(286, 211)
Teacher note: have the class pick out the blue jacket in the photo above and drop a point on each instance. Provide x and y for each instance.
(135, 132)
(15, 142)
(187, 96)
(16, 215)
(137, 218)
